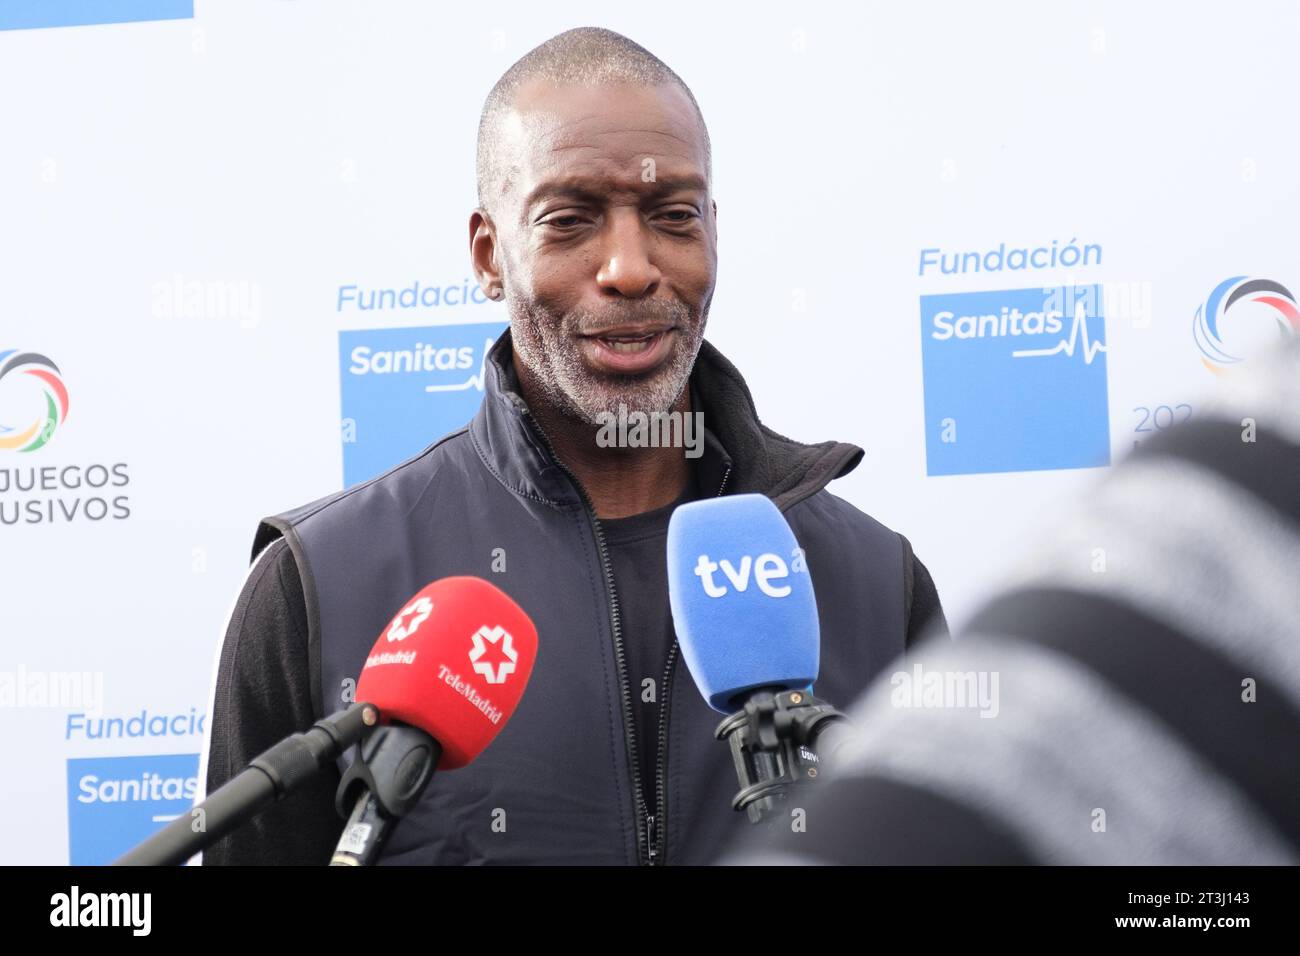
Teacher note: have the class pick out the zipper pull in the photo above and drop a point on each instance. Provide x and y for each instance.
(650, 837)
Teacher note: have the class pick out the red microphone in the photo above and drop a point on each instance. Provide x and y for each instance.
(454, 662)
(446, 675)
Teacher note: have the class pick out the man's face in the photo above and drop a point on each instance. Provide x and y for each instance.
(607, 245)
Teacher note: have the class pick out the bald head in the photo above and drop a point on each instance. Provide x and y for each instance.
(586, 56)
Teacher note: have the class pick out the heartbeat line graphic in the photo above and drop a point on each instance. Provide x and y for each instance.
(1078, 335)
(474, 381)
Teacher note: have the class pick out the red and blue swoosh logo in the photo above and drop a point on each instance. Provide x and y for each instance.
(39, 372)
(1215, 312)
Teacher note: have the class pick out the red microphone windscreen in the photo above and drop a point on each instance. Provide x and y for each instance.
(453, 662)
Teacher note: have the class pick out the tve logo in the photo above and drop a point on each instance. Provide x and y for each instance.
(403, 389)
(115, 802)
(767, 568)
(1015, 380)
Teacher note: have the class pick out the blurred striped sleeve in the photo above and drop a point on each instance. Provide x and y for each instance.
(1146, 662)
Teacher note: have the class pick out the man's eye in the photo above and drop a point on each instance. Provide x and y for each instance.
(563, 222)
(686, 215)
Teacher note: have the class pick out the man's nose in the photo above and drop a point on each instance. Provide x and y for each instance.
(626, 267)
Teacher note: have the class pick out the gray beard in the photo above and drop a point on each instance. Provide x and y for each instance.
(545, 344)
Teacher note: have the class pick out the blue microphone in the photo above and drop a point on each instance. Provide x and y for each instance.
(741, 597)
(746, 620)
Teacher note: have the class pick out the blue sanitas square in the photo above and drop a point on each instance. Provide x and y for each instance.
(1015, 380)
(37, 14)
(116, 802)
(403, 389)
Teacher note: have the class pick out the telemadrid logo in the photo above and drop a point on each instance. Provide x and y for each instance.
(505, 643)
(409, 619)
(46, 376)
(1214, 313)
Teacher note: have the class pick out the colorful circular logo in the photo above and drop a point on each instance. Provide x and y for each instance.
(1213, 315)
(46, 376)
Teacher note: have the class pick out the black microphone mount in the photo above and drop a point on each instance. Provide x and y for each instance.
(774, 739)
(393, 766)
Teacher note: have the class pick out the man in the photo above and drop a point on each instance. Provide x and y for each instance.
(597, 228)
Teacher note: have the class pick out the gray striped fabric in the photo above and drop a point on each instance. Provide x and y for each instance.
(1065, 750)
(1219, 565)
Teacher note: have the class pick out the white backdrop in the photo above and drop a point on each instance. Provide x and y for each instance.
(181, 201)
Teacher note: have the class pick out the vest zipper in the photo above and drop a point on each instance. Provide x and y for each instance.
(659, 840)
(645, 822)
(650, 839)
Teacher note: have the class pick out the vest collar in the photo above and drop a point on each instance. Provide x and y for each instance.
(757, 459)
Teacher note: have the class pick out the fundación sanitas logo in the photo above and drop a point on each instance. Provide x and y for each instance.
(1240, 315)
(404, 388)
(33, 400)
(1015, 380)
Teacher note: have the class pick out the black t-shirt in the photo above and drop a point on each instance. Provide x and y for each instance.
(638, 554)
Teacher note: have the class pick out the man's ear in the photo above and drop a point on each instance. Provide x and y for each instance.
(483, 254)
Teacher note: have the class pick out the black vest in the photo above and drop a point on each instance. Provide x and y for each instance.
(557, 785)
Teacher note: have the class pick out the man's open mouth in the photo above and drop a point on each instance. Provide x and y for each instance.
(628, 344)
(629, 350)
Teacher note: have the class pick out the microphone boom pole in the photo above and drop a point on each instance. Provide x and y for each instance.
(272, 776)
